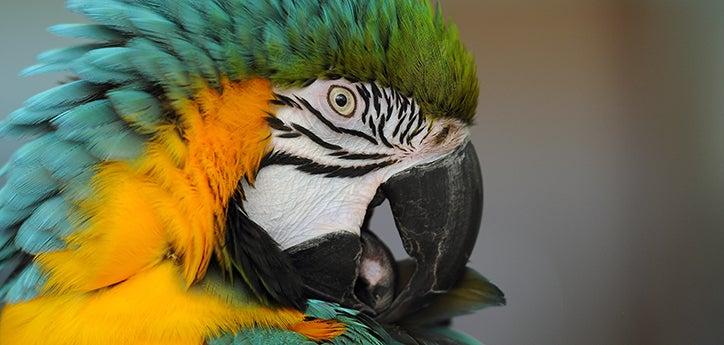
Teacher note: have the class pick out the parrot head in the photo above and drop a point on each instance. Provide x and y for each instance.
(373, 101)
(253, 138)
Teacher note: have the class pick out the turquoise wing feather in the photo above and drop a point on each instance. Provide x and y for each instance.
(360, 330)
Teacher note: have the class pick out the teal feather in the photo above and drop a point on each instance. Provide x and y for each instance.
(112, 141)
(62, 96)
(359, 329)
(62, 159)
(140, 109)
(162, 68)
(115, 59)
(263, 336)
(44, 68)
(8, 251)
(5, 238)
(109, 12)
(25, 116)
(22, 131)
(10, 217)
(26, 186)
(45, 229)
(89, 31)
(79, 187)
(121, 145)
(86, 116)
(197, 60)
(216, 17)
(193, 23)
(101, 76)
(65, 160)
(26, 286)
(321, 310)
(66, 55)
(152, 25)
(456, 336)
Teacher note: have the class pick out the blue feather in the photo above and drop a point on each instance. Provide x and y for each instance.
(5, 238)
(456, 336)
(140, 109)
(115, 59)
(45, 229)
(25, 116)
(26, 286)
(88, 71)
(112, 141)
(62, 159)
(10, 217)
(25, 187)
(79, 187)
(321, 310)
(23, 131)
(44, 68)
(121, 145)
(8, 251)
(66, 55)
(108, 12)
(161, 67)
(89, 115)
(70, 94)
(89, 31)
(197, 60)
(152, 25)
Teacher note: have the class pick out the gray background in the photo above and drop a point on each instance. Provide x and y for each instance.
(600, 131)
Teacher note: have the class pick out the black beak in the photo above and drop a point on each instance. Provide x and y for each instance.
(437, 209)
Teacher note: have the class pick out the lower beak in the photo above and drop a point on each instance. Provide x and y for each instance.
(437, 209)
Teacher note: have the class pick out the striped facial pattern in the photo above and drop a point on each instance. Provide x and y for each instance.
(334, 143)
(345, 130)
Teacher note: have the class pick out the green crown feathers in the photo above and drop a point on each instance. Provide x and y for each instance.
(403, 44)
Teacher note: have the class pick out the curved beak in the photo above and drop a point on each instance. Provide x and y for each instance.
(437, 208)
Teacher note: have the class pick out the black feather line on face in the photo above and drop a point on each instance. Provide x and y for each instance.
(313, 137)
(313, 168)
(267, 271)
(331, 126)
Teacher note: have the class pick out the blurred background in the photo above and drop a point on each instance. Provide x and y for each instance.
(601, 134)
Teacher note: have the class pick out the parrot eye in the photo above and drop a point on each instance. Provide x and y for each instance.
(342, 100)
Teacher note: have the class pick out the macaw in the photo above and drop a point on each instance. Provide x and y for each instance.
(208, 172)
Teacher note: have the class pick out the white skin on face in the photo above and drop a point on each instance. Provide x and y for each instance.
(294, 206)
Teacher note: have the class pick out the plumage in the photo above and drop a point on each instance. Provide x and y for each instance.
(97, 32)
(139, 109)
(117, 209)
(46, 228)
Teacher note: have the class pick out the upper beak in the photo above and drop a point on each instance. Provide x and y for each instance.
(437, 208)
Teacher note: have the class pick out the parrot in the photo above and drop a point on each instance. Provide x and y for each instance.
(207, 173)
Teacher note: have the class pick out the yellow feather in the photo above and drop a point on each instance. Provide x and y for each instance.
(153, 307)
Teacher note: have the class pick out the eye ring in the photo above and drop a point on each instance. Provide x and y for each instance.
(342, 100)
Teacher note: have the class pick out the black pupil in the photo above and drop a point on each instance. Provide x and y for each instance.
(341, 100)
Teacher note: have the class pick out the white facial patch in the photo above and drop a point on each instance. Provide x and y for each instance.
(333, 144)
